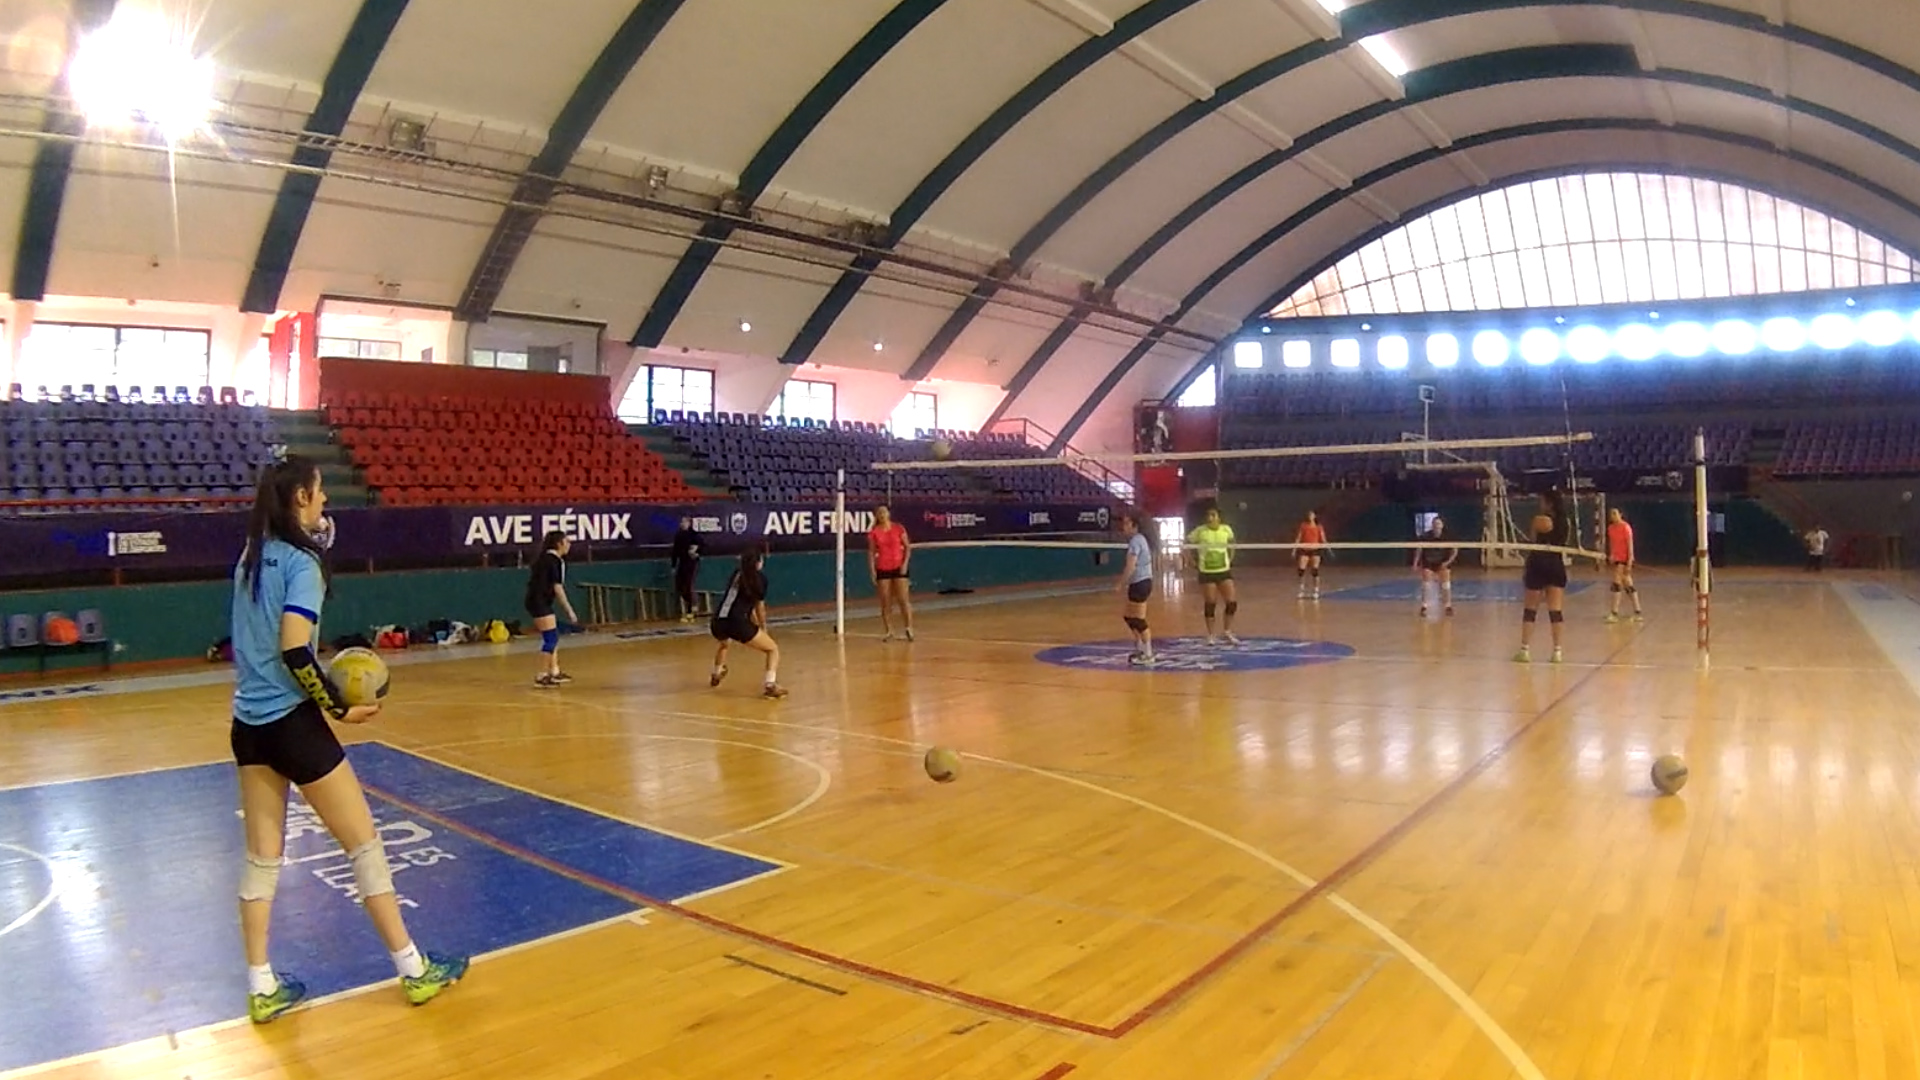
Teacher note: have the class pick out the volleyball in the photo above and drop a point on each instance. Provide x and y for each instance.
(1669, 774)
(942, 449)
(1542, 524)
(943, 765)
(361, 676)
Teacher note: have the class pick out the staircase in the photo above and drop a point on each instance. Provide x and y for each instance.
(305, 433)
(709, 484)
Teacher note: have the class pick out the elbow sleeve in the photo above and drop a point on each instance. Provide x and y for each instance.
(312, 680)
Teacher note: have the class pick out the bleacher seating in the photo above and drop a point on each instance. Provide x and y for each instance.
(59, 451)
(767, 461)
(1828, 449)
(452, 450)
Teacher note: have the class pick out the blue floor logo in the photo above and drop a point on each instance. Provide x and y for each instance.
(1194, 654)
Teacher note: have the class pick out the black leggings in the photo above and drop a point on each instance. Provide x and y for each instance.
(683, 576)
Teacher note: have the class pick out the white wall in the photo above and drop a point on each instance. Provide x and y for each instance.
(964, 406)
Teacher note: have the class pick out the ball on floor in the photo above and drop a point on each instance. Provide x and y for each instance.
(943, 765)
(1669, 773)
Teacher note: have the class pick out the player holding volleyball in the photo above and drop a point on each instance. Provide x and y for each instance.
(1621, 555)
(1213, 555)
(282, 702)
(1436, 564)
(1545, 576)
(1136, 581)
(888, 551)
(742, 617)
(1309, 544)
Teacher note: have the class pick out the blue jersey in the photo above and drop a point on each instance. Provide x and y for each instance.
(290, 581)
(1142, 553)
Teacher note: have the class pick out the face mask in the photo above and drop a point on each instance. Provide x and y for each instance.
(323, 533)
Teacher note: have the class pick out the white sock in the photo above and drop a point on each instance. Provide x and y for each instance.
(770, 679)
(718, 668)
(409, 963)
(261, 979)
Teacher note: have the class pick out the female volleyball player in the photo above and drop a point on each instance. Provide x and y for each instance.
(888, 551)
(1309, 543)
(1621, 555)
(1136, 581)
(1436, 564)
(1545, 576)
(1213, 542)
(742, 617)
(546, 588)
(282, 701)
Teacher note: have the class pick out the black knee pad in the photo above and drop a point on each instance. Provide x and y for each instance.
(1530, 615)
(1316, 571)
(1136, 623)
(1631, 589)
(1616, 586)
(1556, 616)
(1233, 607)
(1211, 608)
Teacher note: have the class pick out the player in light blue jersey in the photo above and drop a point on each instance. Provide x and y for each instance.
(283, 702)
(1137, 582)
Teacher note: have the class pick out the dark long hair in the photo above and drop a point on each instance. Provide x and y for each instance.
(275, 517)
(552, 541)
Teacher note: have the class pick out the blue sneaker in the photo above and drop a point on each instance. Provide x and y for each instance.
(262, 1008)
(442, 972)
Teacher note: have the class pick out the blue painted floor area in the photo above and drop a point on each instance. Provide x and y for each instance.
(142, 936)
(1464, 591)
(1194, 654)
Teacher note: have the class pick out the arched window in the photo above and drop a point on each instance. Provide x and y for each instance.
(1601, 238)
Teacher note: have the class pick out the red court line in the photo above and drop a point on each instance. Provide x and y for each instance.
(1340, 875)
(1058, 1071)
(1003, 1008)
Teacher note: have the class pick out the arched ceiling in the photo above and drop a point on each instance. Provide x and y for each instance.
(1072, 198)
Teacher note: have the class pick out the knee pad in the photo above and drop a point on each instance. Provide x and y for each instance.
(1631, 589)
(1616, 586)
(1530, 615)
(370, 870)
(1556, 616)
(1136, 624)
(260, 878)
(1211, 608)
(549, 640)
(1233, 607)
(1316, 571)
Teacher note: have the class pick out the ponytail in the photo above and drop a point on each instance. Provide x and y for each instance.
(275, 517)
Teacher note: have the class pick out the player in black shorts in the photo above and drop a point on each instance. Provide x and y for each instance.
(1545, 576)
(742, 617)
(1436, 564)
(546, 588)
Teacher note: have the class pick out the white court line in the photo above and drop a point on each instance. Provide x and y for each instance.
(1516, 1056)
(824, 779)
(53, 889)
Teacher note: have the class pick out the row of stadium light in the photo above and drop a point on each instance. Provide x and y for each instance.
(1589, 344)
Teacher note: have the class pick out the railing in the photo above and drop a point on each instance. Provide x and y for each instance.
(1035, 435)
(127, 502)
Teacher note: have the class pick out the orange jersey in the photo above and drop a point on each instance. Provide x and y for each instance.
(1312, 535)
(1620, 542)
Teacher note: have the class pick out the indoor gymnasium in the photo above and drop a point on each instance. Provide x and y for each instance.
(992, 539)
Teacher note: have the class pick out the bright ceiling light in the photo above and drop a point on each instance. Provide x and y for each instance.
(1538, 346)
(1882, 328)
(1735, 337)
(1686, 339)
(1297, 354)
(1248, 354)
(140, 68)
(1345, 352)
(1443, 350)
(1832, 331)
(1490, 348)
(1392, 352)
(1637, 341)
(1388, 57)
(1588, 344)
(1783, 334)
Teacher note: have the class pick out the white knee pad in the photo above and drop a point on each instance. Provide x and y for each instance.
(260, 878)
(370, 870)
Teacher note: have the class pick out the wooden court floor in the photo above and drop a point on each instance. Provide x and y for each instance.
(1422, 861)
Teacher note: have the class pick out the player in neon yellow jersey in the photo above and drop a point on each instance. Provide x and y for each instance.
(1212, 554)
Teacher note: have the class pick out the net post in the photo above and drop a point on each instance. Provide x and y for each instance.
(1702, 570)
(840, 553)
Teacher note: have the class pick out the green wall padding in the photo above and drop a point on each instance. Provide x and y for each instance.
(170, 622)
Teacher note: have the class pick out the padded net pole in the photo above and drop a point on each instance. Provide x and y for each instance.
(1702, 566)
(840, 553)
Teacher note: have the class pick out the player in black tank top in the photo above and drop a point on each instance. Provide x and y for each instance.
(1545, 576)
(742, 617)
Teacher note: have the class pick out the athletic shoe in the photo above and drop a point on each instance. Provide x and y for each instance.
(442, 972)
(1449, 610)
(1638, 617)
(545, 682)
(1141, 659)
(1232, 638)
(886, 637)
(909, 633)
(562, 677)
(1315, 596)
(1612, 618)
(262, 1008)
(1423, 611)
(1557, 657)
(1211, 642)
(1524, 656)
(716, 677)
(772, 691)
